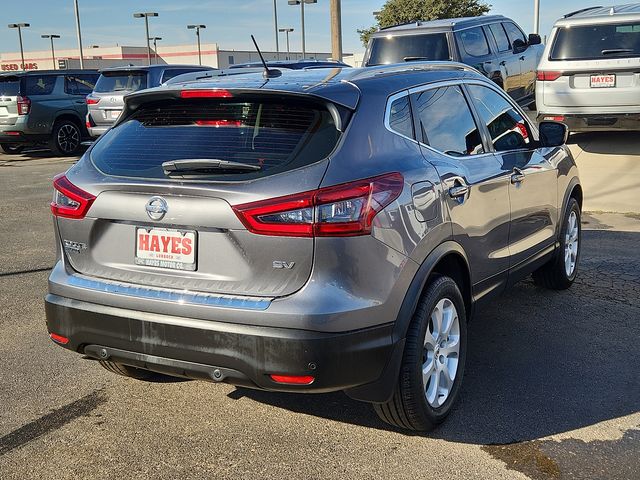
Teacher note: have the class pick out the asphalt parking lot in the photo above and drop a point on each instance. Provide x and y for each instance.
(551, 390)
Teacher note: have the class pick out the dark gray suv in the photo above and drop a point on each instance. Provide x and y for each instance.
(316, 231)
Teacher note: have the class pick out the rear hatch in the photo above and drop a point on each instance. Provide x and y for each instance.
(594, 66)
(167, 227)
(107, 100)
(9, 92)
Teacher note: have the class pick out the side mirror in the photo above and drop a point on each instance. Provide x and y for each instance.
(553, 134)
(519, 46)
(535, 39)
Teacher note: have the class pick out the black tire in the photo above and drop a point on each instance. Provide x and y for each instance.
(532, 106)
(127, 371)
(11, 148)
(409, 408)
(66, 138)
(553, 274)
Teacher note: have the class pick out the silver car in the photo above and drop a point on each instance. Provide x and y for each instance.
(107, 99)
(589, 75)
(311, 231)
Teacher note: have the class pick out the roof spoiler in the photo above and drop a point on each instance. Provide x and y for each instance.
(582, 10)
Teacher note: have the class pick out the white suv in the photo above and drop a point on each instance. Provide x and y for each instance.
(589, 75)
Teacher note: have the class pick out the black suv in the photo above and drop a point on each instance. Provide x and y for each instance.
(494, 45)
(44, 107)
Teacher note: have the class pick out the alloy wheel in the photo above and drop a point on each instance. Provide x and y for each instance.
(68, 138)
(571, 244)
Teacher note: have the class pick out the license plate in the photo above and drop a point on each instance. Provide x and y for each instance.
(166, 248)
(603, 81)
(112, 114)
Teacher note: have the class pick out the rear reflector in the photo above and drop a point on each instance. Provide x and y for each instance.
(59, 338)
(558, 118)
(548, 76)
(69, 201)
(293, 379)
(15, 134)
(218, 93)
(339, 211)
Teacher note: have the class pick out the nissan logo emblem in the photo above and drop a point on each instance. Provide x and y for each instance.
(156, 208)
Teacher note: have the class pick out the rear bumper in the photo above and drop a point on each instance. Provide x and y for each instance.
(98, 130)
(222, 352)
(597, 122)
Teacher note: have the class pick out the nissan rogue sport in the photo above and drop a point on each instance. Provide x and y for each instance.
(311, 231)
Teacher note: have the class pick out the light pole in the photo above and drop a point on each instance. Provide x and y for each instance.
(336, 30)
(287, 31)
(536, 16)
(53, 52)
(20, 26)
(197, 29)
(146, 16)
(275, 22)
(155, 48)
(77, 11)
(301, 3)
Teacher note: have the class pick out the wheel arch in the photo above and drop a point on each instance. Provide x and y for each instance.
(73, 117)
(573, 190)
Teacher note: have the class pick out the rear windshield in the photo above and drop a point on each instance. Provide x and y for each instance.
(274, 135)
(590, 42)
(9, 87)
(400, 48)
(121, 82)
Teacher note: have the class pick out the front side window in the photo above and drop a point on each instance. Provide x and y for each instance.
(500, 36)
(446, 123)
(400, 117)
(474, 42)
(514, 33)
(506, 126)
(592, 42)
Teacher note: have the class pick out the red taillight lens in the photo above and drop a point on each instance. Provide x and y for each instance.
(216, 93)
(59, 338)
(68, 200)
(548, 76)
(342, 210)
(92, 100)
(24, 105)
(219, 123)
(293, 379)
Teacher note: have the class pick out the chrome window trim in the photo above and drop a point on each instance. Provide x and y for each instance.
(168, 295)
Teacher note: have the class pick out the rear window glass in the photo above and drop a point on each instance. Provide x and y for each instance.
(39, 85)
(395, 49)
(9, 88)
(121, 82)
(588, 42)
(276, 136)
(474, 42)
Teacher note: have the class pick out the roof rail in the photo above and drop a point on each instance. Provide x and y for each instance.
(397, 68)
(582, 10)
(417, 22)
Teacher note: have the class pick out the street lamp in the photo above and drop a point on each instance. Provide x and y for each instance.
(77, 12)
(146, 16)
(301, 3)
(275, 22)
(536, 16)
(53, 52)
(197, 29)
(20, 26)
(287, 31)
(155, 48)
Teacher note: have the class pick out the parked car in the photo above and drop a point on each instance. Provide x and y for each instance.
(294, 64)
(106, 101)
(494, 45)
(589, 76)
(240, 232)
(44, 107)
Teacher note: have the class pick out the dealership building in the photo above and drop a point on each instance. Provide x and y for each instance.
(111, 56)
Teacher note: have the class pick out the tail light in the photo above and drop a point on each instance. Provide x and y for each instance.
(340, 211)
(215, 93)
(24, 105)
(545, 76)
(89, 121)
(92, 100)
(69, 201)
(219, 123)
(554, 118)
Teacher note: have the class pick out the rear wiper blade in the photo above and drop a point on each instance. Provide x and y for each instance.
(613, 51)
(414, 59)
(196, 165)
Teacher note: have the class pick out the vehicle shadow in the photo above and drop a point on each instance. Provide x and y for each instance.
(539, 362)
(607, 143)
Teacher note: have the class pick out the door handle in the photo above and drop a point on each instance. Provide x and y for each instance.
(523, 58)
(458, 191)
(517, 176)
(503, 63)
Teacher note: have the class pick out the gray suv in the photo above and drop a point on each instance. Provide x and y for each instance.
(44, 107)
(311, 231)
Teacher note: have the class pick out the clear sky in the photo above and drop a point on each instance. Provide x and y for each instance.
(229, 22)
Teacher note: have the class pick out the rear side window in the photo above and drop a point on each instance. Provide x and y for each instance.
(500, 36)
(446, 123)
(9, 87)
(169, 73)
(80, 84)
(274, 135)
(397, 48)
(590, 42)
(39, 84)
(474, 42)
(121, 82)
(514, 33)
(400, 117)
(506, 126)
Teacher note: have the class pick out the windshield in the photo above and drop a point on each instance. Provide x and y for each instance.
(395, 49)
(9, 87)
(273, 135)
(121, 82)
(590, 42)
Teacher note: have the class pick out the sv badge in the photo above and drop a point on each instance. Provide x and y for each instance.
(279, 264)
